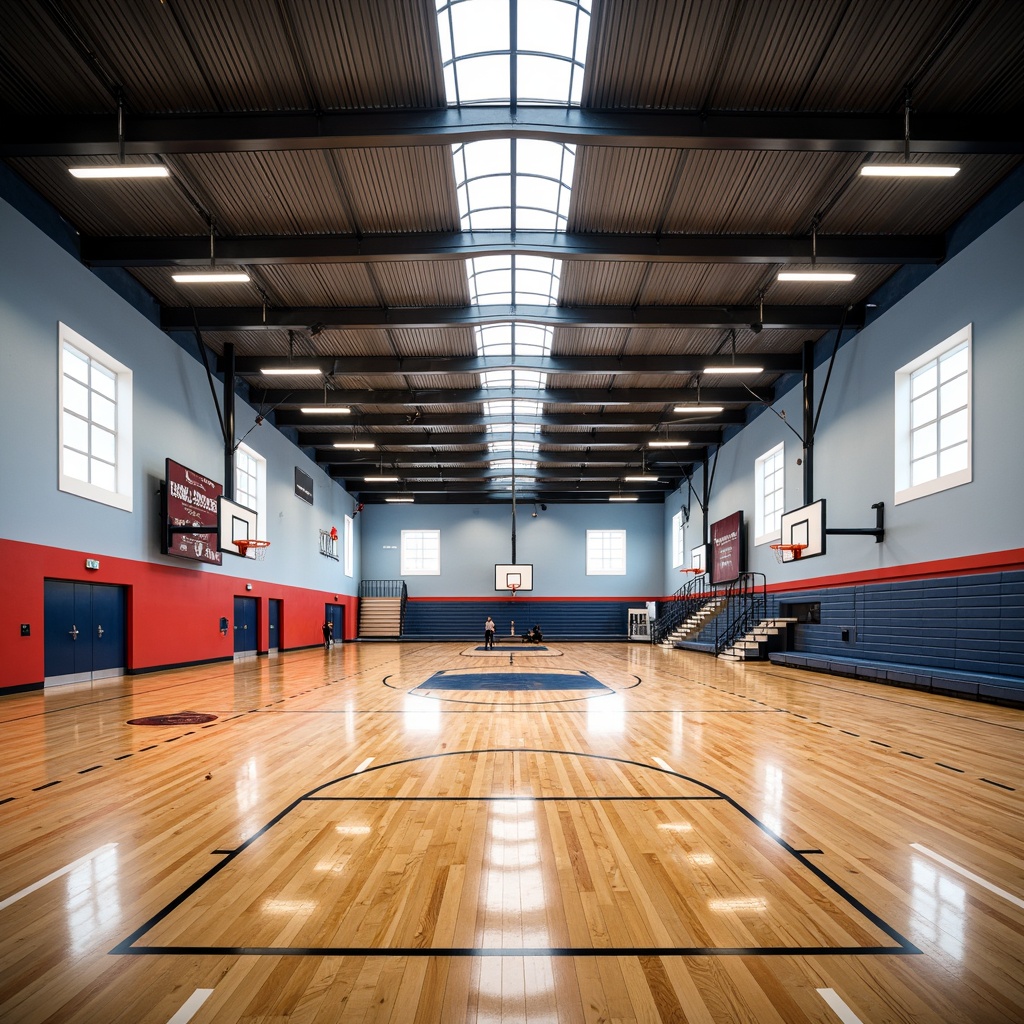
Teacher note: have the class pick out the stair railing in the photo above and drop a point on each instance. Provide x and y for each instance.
(746, 605)
(686, 601)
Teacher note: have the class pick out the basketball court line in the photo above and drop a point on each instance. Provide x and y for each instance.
(953, 866)
(56, 874)
(188, 1009)
(838, 1007)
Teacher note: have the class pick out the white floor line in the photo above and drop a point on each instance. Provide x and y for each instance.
(189, 1007)
(1016, 900)
(56, 874)
(839, 1008)
(661, 764)
(363, 766)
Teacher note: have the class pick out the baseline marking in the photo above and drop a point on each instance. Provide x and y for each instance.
(839, 1008)
(1016, 900)
(55, 874)
(189, 1007)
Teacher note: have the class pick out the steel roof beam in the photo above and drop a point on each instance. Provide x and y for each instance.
(258, 318)
(96, 135)
(611, 417)
(371, 463)
(122, 251)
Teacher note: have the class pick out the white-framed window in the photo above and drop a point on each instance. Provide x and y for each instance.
(95, 431)
(606, 552)
(251, 485)
(678, 540)
(421, 552)
(933, 419)
(769, 494)
(349, 546)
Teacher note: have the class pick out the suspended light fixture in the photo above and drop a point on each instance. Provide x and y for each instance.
(812, 274)
(120, 169)
(213, 275)
(733, 367)
(643, 477)
(400, 501)
(698, 406)
(323, 410)
(907, 169)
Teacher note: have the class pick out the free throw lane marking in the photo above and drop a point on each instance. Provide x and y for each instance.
(189, 1007)
(56, 874)
(839, 1008)
(1016, 900)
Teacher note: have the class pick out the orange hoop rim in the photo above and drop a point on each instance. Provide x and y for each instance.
(689, 569)
(244, 545)
(513, 587)
(796, 549)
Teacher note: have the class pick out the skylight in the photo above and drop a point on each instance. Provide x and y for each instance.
(506, 279)
(526, 51)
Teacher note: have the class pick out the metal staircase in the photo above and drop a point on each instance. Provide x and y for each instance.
(767, 635)
(382, 608)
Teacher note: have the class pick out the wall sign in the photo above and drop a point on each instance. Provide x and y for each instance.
(727, 548)
(303, 486)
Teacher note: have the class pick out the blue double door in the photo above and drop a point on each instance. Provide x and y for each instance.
(83, 631)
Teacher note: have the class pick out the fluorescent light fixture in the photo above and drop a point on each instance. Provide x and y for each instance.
(699, 408)
(814, 275)
(399, 501)
(122, 171)
(645, 479)
(729, 368)
(356, 446)
(668, 444)
(909, 170)
(325, 410)
(290, 371)
(380, 479)
(623, 497)
(213, 277)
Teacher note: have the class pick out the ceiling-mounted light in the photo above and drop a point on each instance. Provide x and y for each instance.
(292, 371)
(623, 497)
(323, 410)
(814, 274)
(355, 446)
(732, 368)
(907, 169)
(668, 444)
(399, 501)
(641, 478)
(380, 479)
(122, 171)
(697, 407)
(213, 275)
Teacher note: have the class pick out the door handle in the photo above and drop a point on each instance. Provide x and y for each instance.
(73, 632)
(99, 630)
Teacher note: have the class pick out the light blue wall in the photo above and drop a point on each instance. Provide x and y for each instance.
(41, 284)
(475, 537)
(983, 285)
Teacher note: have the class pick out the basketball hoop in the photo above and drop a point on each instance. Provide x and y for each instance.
(795, 551)
(696, 572)
(513, 587)
(258, 548)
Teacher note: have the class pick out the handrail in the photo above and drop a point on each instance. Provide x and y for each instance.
(388, 588)
(686, 601)
(746, 605)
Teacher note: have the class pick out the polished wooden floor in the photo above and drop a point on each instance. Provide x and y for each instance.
(684, 840)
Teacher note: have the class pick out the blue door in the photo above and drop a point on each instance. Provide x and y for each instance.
(274, 642)
(245, 625)
(84, 630)
(335, 615)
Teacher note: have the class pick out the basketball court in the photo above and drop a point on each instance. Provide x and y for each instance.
(423, 832)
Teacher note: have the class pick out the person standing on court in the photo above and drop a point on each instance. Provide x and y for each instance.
(489, 633)
(328, 630)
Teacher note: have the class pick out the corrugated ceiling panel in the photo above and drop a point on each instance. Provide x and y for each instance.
(652, 54)
(600, 283)
(400, 189)
(677, 284)
(121, 207)
(286, 193)
(320, 284)
(157, 281)
(30, 40)
(413, 343)
(589, 341)
(422, 283)
(649, 342)
(622, 190)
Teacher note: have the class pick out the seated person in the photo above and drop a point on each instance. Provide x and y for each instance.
(533, 636)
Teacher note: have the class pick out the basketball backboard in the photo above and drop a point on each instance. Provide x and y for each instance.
(235, 522)
(804, 525)
(507, 575)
